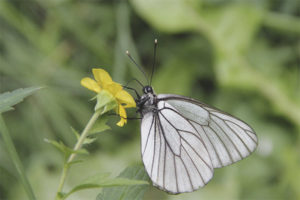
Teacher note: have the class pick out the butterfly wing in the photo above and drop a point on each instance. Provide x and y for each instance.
(226, 138)
(184, 140)
(174, 156)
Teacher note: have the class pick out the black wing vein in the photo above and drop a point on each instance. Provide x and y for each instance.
(154, 148)
(148, 136)
(193, 140)
(234, 145)
(194, 164)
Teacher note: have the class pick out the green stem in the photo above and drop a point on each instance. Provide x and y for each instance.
(78, 145)
(15, 159)
(84, 134)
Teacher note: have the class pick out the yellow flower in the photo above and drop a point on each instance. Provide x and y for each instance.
(103, 82)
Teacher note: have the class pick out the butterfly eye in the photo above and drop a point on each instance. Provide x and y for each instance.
(148, 89)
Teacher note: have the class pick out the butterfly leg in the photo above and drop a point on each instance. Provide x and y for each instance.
(129, 88)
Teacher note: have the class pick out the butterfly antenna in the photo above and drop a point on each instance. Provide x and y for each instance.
(140, 68)
(154, 59)
(134, 79)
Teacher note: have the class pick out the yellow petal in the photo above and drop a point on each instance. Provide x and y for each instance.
(101, 76)
(124, 97)
(123, 115)
(114, 88)
(90, 84)
(121, 122)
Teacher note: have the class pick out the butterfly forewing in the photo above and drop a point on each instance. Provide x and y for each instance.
(183, 140)
(174, 156)
(227, 138)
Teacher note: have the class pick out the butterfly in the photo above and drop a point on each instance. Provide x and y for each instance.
(183, 140)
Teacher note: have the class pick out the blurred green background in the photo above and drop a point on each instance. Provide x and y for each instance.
(240, 56)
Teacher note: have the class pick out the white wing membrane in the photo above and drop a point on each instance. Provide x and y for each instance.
(184, 140)
(146, 128)
(170, 133)
(227, 138)
(176, 159)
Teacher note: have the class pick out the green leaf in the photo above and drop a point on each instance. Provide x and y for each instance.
(61, 195)
(12, 152)
(100, 125)
(121, 182)
(77, 135)
(89, 140)
(105, 102)
(135, 192)
(97, 177)
(103, 180)
(169, 15)
(234, 26)
(108, 183)
(9, 99)
(66, 150)
(75, 162)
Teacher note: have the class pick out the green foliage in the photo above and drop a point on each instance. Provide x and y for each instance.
(100, 125)
(67, 151)
(102, 180)
(105, 102)
(9, 99)
(70, 154)
(181, 15)
(240, 56)
(134, 174)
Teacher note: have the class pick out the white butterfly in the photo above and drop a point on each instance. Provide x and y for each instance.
(183, 140)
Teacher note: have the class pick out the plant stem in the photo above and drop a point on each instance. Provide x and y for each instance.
(84, 134)
(78, 145)
(15, 159)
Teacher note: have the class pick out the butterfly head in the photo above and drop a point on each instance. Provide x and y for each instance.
(147, 102)
(147, 89)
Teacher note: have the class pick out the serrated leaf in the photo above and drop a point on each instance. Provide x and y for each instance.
(100, 125)
(121, 182)
(111, 183)
(97, 177)
(75, 162)
(89, 140)
(77, 135)
(102, 180)
(81, 151)
(9, 99)
(66, 150)
(135, 192)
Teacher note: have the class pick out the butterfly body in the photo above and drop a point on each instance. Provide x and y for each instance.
(183, 140)
(147, 102)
